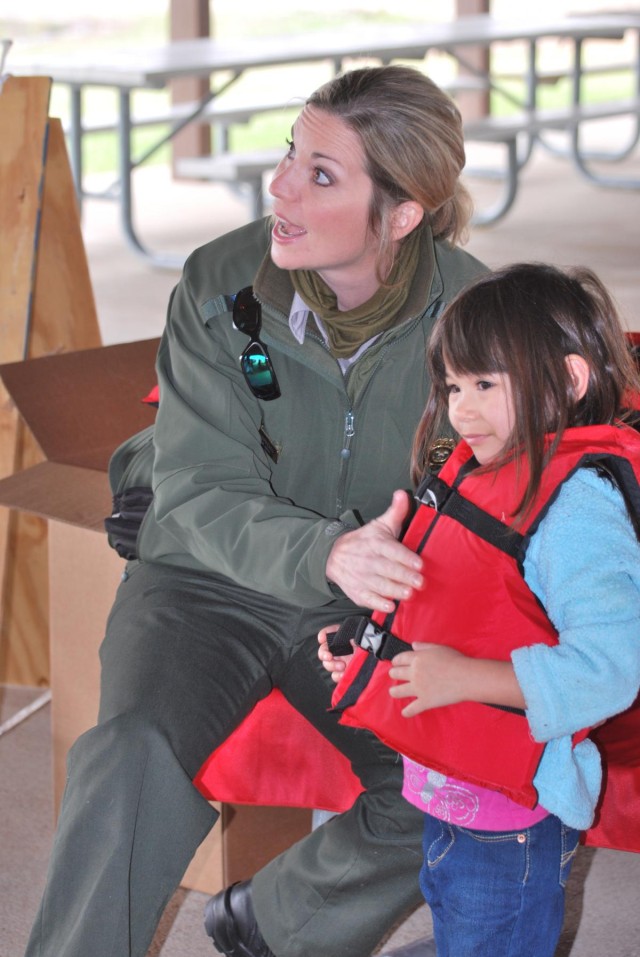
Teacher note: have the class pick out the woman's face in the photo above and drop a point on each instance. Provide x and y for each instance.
(322, 197)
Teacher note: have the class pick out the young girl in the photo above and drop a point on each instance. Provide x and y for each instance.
(527, 631)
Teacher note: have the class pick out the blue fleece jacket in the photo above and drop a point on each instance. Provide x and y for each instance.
(583, 563)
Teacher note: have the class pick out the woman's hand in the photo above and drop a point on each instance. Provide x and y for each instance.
(334, 664)
(371, 566)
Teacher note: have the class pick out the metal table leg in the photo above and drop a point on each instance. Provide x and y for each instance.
(582, 158)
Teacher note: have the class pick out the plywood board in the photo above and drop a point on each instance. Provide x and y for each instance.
(24, 106)
(64, 316)
(46, 306)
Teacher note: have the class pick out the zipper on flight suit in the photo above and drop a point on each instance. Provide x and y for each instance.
(345, 455)
(349, 420)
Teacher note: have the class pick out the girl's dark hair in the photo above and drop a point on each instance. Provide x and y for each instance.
(524, 320)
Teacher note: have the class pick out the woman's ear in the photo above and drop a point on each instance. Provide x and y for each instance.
(579, 371)
(404, 218)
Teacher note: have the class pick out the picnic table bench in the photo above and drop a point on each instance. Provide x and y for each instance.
(250, 168)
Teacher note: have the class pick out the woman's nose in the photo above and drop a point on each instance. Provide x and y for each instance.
(282, 180)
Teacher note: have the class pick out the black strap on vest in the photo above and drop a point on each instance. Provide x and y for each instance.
(434, 493)
(371, 637)
(446, 500)
(382, 646)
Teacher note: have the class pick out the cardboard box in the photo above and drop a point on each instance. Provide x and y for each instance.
(80, 406)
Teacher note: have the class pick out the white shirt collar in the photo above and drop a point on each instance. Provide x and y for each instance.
(298, 317)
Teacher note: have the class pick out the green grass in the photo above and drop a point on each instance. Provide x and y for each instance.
(596, 89)
(269, 130)
(263, 132)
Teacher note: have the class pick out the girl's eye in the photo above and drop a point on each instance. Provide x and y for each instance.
(320, 178)
(451, 389)
(290, 149)
(484, 384)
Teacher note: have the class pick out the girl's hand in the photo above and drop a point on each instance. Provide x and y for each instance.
(437, 675)
(431, 674)
(334, 664)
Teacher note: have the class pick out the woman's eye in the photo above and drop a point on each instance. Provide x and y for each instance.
(290, 148)
(451, 389)
(484, 384)
(320, 178)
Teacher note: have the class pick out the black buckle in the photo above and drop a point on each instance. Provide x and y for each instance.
(374, 639)
(361, 630)
(433, 492)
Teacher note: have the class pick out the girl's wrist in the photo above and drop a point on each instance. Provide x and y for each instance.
(492, 682)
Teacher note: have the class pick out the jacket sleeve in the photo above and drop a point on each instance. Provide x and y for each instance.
(583, 563)
(214, 507)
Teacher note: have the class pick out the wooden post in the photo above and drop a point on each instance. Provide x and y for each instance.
(46, 305)
(189, 19)
(24, 107)
(473, 103)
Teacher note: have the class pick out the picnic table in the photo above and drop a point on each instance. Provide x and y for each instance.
(224, 62)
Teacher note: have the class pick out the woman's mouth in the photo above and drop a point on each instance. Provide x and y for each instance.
(284, 231)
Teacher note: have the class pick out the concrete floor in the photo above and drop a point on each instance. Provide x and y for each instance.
(602, 894)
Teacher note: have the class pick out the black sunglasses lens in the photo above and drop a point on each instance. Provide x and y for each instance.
(258, 371)
(247, 314)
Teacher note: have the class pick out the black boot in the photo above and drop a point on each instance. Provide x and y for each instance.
(230, 921)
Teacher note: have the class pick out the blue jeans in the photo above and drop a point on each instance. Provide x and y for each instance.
(497, 893)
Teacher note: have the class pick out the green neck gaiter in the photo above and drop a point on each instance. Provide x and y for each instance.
(348, 330)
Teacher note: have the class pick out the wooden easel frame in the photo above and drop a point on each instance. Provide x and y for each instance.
(46, 306)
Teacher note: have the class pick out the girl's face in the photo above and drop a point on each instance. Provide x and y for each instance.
(481, 411)
(322, 196)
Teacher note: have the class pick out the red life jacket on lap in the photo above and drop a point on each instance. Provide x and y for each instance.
(475, 599)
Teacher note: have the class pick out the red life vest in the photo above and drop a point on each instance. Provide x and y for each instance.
(475, 599)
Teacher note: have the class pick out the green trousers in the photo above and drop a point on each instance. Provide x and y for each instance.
(184, 659)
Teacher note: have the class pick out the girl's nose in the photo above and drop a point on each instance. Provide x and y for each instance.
(464, 405)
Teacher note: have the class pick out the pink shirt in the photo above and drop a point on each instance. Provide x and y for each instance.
(462, 804)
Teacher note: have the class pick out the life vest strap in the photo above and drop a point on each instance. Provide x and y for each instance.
(382, 645)
(367, 635)
(435, 493)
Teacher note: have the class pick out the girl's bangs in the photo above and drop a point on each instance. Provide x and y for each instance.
(471, 344)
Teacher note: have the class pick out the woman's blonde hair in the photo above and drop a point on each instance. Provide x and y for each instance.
(411, 136)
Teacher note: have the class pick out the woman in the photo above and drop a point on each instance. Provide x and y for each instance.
(269, 472)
